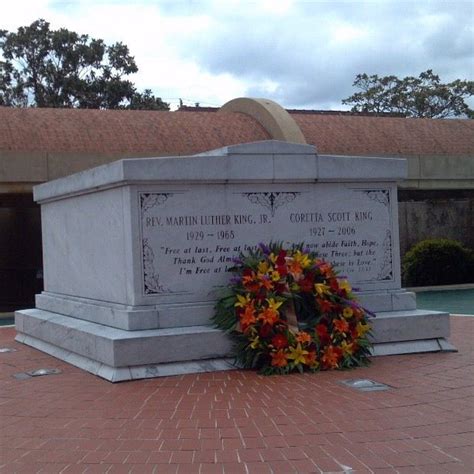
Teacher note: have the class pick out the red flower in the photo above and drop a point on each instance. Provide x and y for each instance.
(331, 357)
(280, 341)
(341, 325)
(322, 332)
(281, 288)
(282, 270)
(281, 258)
(265, 331)
(306, 284)
(325, 305)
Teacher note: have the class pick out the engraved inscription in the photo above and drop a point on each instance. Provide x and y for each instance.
(189, 242)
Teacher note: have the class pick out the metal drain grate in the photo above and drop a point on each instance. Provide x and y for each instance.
(365, 385)
(36, 373)
(39, 372)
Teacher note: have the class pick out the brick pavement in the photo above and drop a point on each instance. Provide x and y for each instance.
(240, 422)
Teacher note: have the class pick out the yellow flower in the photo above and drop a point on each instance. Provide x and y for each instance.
(347, 348)
(362, 329)
(298, 354)
(274, 305)
(242, 301)
(347, 312)
(275, 276)
(321, 288)
(263, 267)
(302, 259)
(344, 285)
(255, 343)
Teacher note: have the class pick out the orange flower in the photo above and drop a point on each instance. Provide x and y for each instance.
(310, 359)
(246, 279)
(249, 281)
(295, 269)
(326, 270)
(341, 325)
(265, 282)
(268, 316)
(303, 337)
(279, 359)
(247, 318)
(331, 357)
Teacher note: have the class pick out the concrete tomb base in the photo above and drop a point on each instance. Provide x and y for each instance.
(135, 252)
(118, 355)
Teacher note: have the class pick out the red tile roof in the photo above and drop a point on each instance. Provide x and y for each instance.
(175, 133)
(120, 131)
(362, 135)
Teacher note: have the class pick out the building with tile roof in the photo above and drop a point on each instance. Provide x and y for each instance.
(37, 145)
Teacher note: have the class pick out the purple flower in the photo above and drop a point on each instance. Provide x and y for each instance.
(264, 248)
(235, 280)
(369, 313)
(237, 260)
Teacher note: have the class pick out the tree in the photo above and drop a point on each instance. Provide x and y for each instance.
(146, 101)
(423, 96)
(60, 68)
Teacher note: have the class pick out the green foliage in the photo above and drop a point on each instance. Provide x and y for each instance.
(146, 101)
(423, 96)
(287, 311)
(60, 68)
(438, 262)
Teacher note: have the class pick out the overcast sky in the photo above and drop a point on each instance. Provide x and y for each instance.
(300, 53)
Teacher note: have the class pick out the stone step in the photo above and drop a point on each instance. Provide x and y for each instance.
(412, 325)
(117, 355)
(120, 348)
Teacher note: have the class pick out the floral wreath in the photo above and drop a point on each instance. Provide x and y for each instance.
(287, 311)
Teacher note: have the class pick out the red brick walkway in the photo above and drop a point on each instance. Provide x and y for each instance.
(239, 422)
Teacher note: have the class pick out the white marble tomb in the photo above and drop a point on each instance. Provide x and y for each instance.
(135, 250)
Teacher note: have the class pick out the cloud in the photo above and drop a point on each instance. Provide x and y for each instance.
(300, 53)
(312, 54)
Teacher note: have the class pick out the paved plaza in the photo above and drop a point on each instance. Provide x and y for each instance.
(240, 422)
